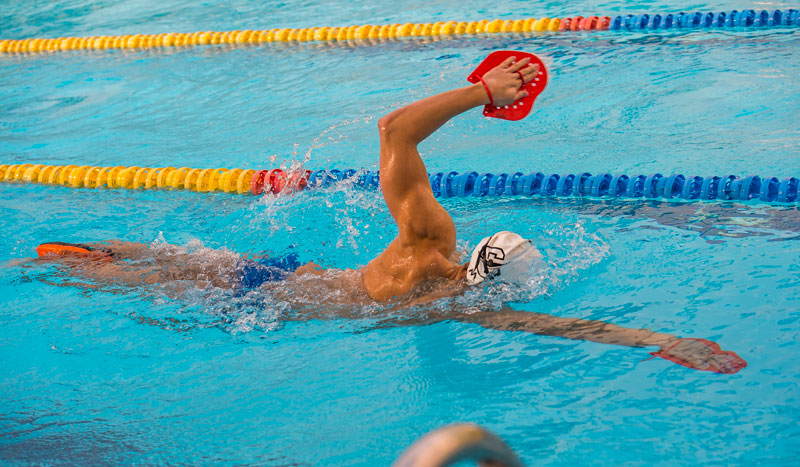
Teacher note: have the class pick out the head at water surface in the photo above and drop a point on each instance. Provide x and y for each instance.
(503, 254)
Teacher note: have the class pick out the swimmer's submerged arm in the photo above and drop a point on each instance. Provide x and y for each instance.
(147, 267)
(113, 273)
(543, 324)
(509, 319)
(699, 354)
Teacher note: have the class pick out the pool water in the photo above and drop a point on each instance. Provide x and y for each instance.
(115, 375)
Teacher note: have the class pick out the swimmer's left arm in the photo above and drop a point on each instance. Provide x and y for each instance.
(509, 319)
(699, 354)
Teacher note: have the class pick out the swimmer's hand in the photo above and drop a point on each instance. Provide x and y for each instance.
(701, 354)
(505, 80)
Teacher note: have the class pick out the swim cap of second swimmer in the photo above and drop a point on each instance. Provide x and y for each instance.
(504, 253)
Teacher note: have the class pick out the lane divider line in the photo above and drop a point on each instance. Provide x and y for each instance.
(371, 34)
(443, 184)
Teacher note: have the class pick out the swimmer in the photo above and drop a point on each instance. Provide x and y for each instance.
(424, 250)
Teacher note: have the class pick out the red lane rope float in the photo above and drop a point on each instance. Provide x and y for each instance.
(260, 178)
(298, 181)
(276, 181)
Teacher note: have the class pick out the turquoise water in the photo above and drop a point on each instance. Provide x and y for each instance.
(121, 375)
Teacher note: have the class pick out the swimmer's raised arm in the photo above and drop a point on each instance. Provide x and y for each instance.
(415, 122)
(402, 170)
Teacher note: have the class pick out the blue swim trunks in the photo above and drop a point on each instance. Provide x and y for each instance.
(254, 272)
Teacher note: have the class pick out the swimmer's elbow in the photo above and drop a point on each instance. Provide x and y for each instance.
(386, 124)
(391, 125)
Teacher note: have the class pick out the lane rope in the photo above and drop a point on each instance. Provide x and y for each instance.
(443, 184)
(372, 34)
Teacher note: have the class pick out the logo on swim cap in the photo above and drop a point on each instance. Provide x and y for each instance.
(492, 253)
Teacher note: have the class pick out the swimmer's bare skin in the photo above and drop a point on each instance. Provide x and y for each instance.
(179, 268)
(425, 244)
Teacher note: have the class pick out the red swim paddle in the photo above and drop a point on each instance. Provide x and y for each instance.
(521, 108)
(708, 356)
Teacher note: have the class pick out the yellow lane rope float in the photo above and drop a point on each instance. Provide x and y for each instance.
(203, 180)
(364, 33)
(369, 34)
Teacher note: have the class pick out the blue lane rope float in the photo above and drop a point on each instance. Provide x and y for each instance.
(732, 19)
(605, 185)
(444, 184)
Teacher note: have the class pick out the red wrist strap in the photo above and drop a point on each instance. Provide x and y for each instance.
(491, 100)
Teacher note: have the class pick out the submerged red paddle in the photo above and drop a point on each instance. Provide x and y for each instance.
(728, 363)
(71, 249)
(521, 108)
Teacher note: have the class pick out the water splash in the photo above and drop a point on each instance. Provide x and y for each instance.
(349, 215)
(325, 139)
(351, 230)
(568, 250)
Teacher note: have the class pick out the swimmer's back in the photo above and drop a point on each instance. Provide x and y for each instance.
(399, 268)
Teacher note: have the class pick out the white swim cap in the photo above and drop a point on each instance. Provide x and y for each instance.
(495, 251)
